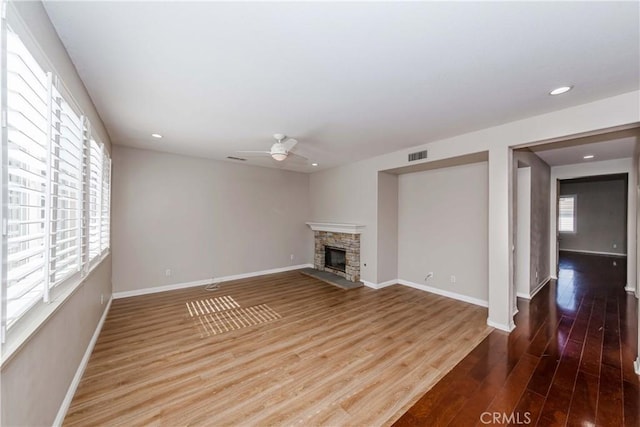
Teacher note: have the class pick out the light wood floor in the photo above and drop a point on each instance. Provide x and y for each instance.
(285, 349)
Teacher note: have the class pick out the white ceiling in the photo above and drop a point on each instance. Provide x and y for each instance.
(619, 148)
(348, 80)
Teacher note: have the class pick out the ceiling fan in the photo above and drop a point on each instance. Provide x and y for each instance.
(280, 150)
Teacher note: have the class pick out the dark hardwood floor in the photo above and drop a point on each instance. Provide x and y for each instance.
(568, 362)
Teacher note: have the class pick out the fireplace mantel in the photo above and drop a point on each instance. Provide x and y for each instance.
(334, 227)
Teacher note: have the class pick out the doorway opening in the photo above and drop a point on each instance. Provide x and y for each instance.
(592, 217)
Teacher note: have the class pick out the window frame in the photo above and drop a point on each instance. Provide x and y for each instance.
(56, 289)
(574, 197)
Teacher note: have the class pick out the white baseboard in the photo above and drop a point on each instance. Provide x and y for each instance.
(156, 289)
(71, 391)
(630, 289)
(506, 328)
(580, 251)
(175, 286)
(262, 273)
(370, 284)
(380, 285)
(636, 365)
(388, 283)
(537, 289)
(426, 288)
(539, 286)
(444, 293)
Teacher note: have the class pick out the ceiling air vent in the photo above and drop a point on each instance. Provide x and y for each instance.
(236, 158)
(420, 155)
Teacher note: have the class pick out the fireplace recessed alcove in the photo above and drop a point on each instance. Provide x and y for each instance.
(337, 249)
(335, 258)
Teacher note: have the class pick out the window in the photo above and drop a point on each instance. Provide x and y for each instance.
(56, 209)
(99, 199)
(567, 214)
(26, 177)
(96, 164)
(105, 219)
(66, 191)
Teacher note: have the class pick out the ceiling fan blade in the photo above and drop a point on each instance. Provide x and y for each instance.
(297, 159)
(289, 144)
(254, 153)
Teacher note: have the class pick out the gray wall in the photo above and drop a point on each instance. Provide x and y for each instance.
(600, 217)
(349, 194)
(443, 228)
(540, 269)
(203, 219)
(35, 380)
(387, 227)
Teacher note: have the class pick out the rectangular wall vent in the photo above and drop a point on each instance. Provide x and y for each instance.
(236, 158)
(420, 155)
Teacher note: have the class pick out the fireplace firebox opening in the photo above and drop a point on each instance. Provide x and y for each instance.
(335, 258)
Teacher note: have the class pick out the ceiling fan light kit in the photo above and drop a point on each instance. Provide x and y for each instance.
(278, 151)
(279, 156)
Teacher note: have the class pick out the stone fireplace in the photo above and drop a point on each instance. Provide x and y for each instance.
(337, 249)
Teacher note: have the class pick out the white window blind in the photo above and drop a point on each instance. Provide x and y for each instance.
(567, 214)
(66, 191)
(58, 181)
(96, 164)
(105, 219)
(27, 157)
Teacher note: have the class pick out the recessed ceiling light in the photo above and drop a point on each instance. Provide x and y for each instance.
(314, 164)
(156, 135)
(588, 156)
(560, 90)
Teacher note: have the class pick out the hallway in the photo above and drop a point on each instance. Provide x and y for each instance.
(568, 362)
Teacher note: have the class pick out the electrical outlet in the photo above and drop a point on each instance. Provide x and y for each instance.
(453, 279)
(536, 274)
(101, 299)
(167, 272)
(615, 246)
(291, 257)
